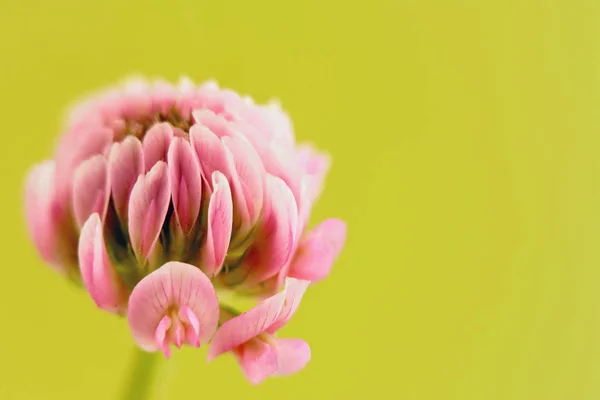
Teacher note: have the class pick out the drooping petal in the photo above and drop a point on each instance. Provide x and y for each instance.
(251, 174)
(156, 144)
(210, 152)
(319, 250)
(294, 290)
(40, 196)
(257, 359)
(91, 189)
(171, 287)
(125, 164)
(275, 241)
(186, 186)
(98, 274)
(148, 206)
(292, 356)
(218, 230)
(246, 326)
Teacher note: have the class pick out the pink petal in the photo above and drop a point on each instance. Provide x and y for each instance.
(125, 164)
(91, 189)
(292, 356)
(186, 186)
(193, 332)
(76, 147)
(41, 221)
(216, 123)
(156, 144)
(210, 152)
(294, 290)
(275, 241)
(218, 231)
(315, 165)
(246, 326)
(319, 250)
(148, 208)
(98, 274)
(257, 359)
(170, 288)
(251, 175)
(160, 335)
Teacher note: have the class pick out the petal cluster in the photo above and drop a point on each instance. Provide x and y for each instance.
(161, 196)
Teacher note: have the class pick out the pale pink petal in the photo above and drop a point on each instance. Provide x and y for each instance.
(216, 123)
(210, 152)
(294, 290)
(315, 166)
(251, 174)
(148, 206)
(292, 356)
(125, 164)
(164, 96)
(186, 184)
(218, 230)
(98, 274)
(169, 289)
(246, 326)
(40, 196)
(257, 359)
(91, 189)
(319, 250)
(75, 147)
(276, 239)
(156, 144)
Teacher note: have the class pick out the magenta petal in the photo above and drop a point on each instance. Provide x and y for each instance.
(156, 144)
(292, 356)
(275, 242)
(40, 196)
(251, 175)
(294, 290)
(91, 189)
(246, 326)
(125, 164)
(319, 250)
(257, 359)
(210, 152)
(170, 288)
(97, 272)
(218, 231)
(186, 186)
(148, 207)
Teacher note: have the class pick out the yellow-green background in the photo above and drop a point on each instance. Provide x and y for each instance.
(464, 136)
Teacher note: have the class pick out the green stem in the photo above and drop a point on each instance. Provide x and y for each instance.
(140, 384)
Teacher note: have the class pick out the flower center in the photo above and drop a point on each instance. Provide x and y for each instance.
(139, 126)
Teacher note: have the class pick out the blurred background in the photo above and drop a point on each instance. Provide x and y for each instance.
(465, 141)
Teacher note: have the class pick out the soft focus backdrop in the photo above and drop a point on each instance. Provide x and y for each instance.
(465, 140)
